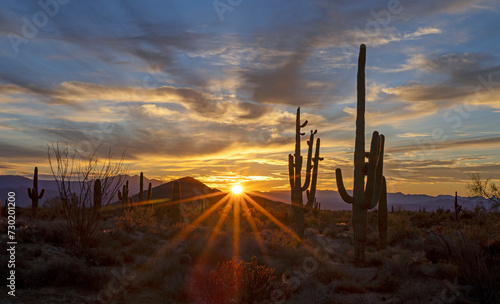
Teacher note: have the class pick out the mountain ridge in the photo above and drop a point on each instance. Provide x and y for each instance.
(329, 199)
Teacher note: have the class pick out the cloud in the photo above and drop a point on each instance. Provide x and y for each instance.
(422, 31)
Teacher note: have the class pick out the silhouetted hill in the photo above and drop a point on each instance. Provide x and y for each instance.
(190, 187)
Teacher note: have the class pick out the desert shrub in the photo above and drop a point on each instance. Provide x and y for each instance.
(402, 233)
(54, 232)
(237, 281)
(279, 238)
(61, 272)
(166, 274)
(415, 292)
(349, 285)
(52, 209)
(103, 256)
(393, 273)
(137, 218)
(328, 274)
(478, 268)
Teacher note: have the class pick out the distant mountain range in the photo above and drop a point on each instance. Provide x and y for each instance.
(20, 185)
(331, 200)
(191, 187)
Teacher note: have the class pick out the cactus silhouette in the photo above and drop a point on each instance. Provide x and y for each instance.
(123, 196)
(294, 169)
(363, 198)
(150, 193)
(97, 194)
(175, 201)
(311, 194)
(140, 196)
(33, 192)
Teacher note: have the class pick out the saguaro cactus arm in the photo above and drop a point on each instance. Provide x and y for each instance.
(382, 216)
(311, 195)
(374, 172)
(340, 185)
(309, 165)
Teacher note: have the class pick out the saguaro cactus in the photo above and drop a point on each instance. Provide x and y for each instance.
(123, 196)
(33, 193)
(150, 193)
(175, 201)
(363, 198)
(97, 194)
(140, 196)
(295, 167)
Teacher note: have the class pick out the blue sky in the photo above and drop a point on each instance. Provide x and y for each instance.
(209, 89)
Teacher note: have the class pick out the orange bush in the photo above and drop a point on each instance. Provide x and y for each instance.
(236, 281)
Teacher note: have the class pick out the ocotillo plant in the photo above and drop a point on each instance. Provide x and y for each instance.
(382, 217)
(294, 169)
(97, 194)
(33, 193)
(175, 201)
(363, 198)
(123, 196)
(140, 196)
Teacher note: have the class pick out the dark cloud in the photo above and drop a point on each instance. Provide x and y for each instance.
(18, 151)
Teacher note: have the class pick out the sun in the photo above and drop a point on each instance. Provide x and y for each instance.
(237, 189)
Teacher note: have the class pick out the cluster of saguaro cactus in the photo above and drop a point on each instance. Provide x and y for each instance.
(175, 207)
(127, 200)
(33, 192)
(364, 198)
(294, 169)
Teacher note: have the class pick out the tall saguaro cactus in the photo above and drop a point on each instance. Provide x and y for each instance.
(295, 167)
(33, 193)
(363, 198)
(176, 207)
(140, 196)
